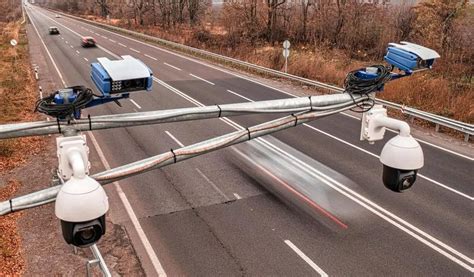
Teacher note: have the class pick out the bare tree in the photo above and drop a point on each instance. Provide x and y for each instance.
(272, 6)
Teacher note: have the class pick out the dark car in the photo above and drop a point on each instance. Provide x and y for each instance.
(53, 30)
(87, 42)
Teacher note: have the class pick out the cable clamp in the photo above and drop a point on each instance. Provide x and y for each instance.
(59, 125)
(174, 155)
(90, 122)
(249, 133)
(11, 205)
(296, 119)
(220, 110)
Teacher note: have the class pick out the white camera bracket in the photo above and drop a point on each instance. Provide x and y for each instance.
(73, 156)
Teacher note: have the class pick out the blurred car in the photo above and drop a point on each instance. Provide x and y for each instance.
(88, 42)
(53, 30)
(57, 16)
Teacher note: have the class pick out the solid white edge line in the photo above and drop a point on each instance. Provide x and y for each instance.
(202, 79)
(250, 80)
(47, 51)
(212, 184)
(441, 251)
(141, 233)
(135, 103)
(177, 68)
(153, 58)
(241, 96)
(133, 217)
(174, 138)
(306, 258)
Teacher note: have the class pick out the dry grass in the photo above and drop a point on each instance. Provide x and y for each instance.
(17, 98)
(429, 92)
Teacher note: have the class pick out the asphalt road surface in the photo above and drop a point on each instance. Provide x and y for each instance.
(213, 215)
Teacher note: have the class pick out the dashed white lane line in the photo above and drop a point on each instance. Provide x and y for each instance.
(134, 50)
(174, 138)
(86, 59)
(135, 103)
(78, 52)
(62, 38)
(306, 258)
(153, 58)
(71, 46)
(123, 45)
(172, 66)
(202, 79)
(238, 197)
(241, 96)
(212, 184)
(112, 40)
(67, 42)
(105, 37)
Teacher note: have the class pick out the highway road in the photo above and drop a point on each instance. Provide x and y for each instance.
(208, 216)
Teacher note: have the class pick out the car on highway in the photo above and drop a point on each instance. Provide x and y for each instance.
(88, 42)
(53, 30)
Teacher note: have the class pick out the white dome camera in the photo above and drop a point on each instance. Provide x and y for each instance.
(81, 205)
(401, 158)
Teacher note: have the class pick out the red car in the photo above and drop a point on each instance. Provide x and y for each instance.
(88, 42)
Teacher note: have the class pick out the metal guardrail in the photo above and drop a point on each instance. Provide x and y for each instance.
(467, 129)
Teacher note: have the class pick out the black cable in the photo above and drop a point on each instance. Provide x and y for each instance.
(47, 106)
(355, 85)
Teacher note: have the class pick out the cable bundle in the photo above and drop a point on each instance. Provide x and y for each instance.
(356, 85)
(47, 106)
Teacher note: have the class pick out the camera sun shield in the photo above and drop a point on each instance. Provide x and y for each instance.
(121, 76)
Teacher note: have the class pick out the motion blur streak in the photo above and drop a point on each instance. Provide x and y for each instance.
(295, 187)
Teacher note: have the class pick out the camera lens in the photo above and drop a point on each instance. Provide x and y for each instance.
(87, 233)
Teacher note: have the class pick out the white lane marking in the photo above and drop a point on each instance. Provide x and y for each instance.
(177, 68)
(237, 196)
(112, 40)
(71, 46)
(86, 59)
(202, 79)
(251, 80)
(134, 50)
(78, 52)
(104, 37)
(123, 45)
(49, 53)
(62, 38)
(128, 207)
(213, 184)
(97, 34)
(153, 58)
(241, 96)
(141, 233)
(67, 42)
(340, 188)
(306, 258)
(135, 103)
(174, 138)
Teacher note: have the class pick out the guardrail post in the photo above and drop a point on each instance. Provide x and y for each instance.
(466, 137)
(437, 128)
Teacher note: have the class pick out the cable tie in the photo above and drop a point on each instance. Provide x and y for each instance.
(11, 205)
(174, 155)
(90, 122)
(59, 125)
(220, 110)
(296, 119)
(310, 103)
(248, 132)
